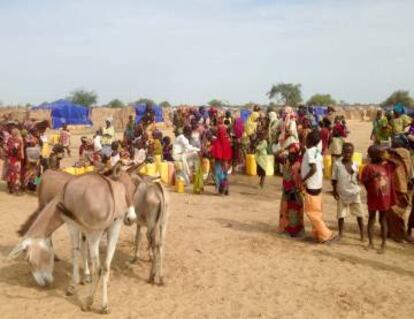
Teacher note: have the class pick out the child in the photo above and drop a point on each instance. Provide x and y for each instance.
(376, 177)
(97, 145)
(312, 178)
(261, 158)
(115, 156)
(167, 149)
(55, 157)
(64, 139)
(346, 189)
(157, 137)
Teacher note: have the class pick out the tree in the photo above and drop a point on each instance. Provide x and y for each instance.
(217, 103)
(165, 104)
(286, 93)
(321, 100)
(145, 101)
(399, 96)
(116, 103)
(83, 97)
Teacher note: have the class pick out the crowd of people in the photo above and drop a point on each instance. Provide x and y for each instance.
(205, 138)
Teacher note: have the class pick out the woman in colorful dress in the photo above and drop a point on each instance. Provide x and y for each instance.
(32, 162)
(15, 156)
(222, 154)
(291, 206)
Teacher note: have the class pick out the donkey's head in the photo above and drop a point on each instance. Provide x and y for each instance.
(40, 256)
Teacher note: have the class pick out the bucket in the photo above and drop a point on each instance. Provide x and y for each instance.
(251, 169)
(54, 139)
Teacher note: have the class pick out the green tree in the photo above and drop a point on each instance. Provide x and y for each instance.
(217, 103)
(286, 93)
(83, 97)
(399, 96)
(145, 101)
(165, 104)
(321, 100)
(116, 103)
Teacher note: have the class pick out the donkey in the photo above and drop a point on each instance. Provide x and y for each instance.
(91, 204)
(151, 205)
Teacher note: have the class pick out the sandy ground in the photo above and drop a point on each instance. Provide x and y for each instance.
(224, 260)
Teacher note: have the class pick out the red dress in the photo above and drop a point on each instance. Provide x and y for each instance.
(221, 147)
(377, 181)
(325, 135)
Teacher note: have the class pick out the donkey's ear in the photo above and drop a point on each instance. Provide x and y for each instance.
(135, 168)
(116, 171)
(18, 250)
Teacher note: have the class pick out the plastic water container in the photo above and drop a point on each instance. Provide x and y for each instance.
(205, 165)
(79, 171)
(89, 169)
(171, 173)
(327, 166)
(251, 169)
(357, 158)
(151, 169)
(142, 170)
(163, 171)
(180, 185)
(70, 170)
(157, 161)
(270, 165)
(54, 139)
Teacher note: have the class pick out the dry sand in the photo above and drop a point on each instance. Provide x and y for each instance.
(224, 260)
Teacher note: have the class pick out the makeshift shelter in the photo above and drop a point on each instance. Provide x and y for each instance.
(140, 111)
(66, 112)
(319, 112)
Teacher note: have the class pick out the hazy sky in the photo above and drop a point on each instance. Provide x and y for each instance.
(193, 51)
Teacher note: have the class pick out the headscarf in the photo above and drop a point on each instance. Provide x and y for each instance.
(238, 127)
(288, 115)
(272, 117)
(399, 108)
(251, 125)
(221, 148)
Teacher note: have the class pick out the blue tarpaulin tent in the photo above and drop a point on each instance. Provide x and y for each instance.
(319, 112)
(244, 114)
(66, 112)
(140, 111)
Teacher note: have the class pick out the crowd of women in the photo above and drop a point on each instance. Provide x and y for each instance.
(298, 139)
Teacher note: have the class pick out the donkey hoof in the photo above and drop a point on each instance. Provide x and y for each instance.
(87, 279)
(70, 291)
(159, 281)
(105, 310)
(87, 305)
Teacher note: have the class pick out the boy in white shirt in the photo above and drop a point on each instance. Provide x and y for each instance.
(312, 179)
(346, 189)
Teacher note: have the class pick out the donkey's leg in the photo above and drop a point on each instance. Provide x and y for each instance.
(113, 235)
(86, 278)
(74, 236)
(138, 236)
(93, 241)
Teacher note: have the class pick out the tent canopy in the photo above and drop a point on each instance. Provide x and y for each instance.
(140, 111)
(66, 112)
(244, 114)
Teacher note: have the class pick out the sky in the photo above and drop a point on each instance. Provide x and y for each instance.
(194, 51)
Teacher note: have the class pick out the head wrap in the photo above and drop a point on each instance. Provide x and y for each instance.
(399, 108)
